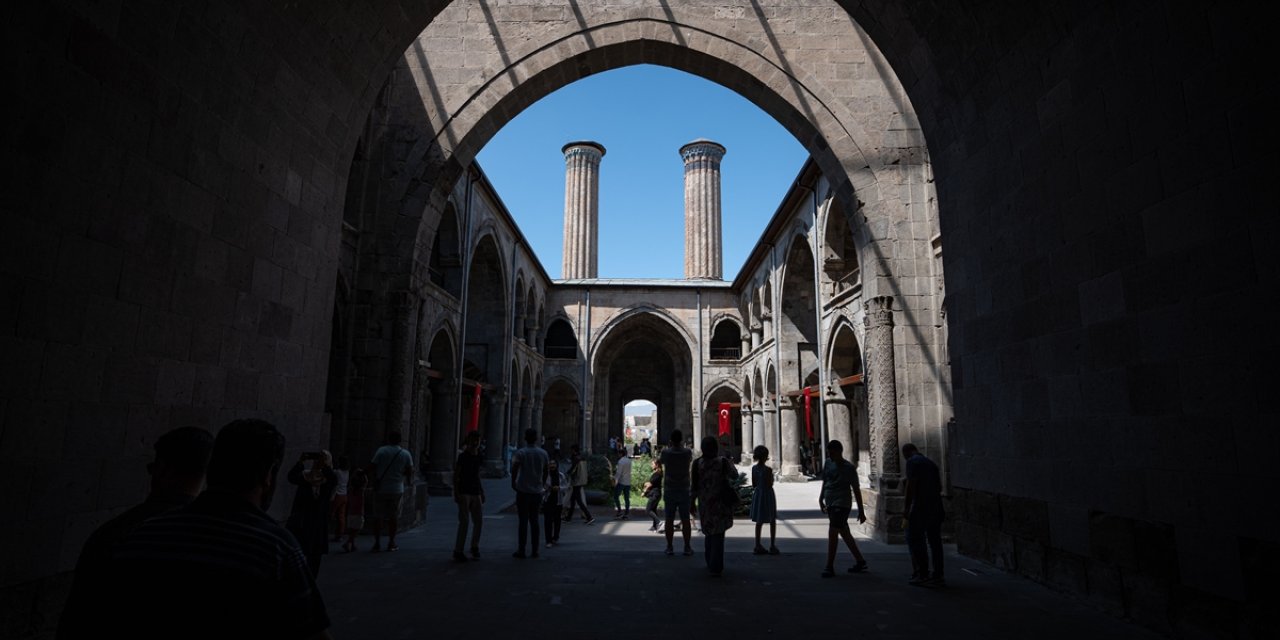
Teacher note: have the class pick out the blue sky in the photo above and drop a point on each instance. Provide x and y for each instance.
(642, 115)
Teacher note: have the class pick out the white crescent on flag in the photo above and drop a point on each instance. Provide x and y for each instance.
(724, 413)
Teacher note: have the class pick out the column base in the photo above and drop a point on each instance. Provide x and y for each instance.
(439, 483)
(885, 513)
(791, 473)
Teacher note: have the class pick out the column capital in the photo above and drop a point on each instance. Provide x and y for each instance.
(590, 149)
(879, 312)
(702, 149)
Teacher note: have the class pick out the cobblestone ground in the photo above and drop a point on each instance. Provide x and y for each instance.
(612, 580)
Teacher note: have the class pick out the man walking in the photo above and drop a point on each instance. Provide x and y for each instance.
(391, 468)
(528, 473)
(676, 462)
(622, 487)
(924, 517)
(578, 479)
(839, 491)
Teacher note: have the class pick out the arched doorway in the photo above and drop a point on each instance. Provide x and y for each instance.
(798, 338)
(484, 351)
(562, 414)
(731, 442)
(846, 399)
(441, 403)
(641, 356)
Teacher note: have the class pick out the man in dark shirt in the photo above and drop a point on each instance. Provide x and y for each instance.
(924, 517)
(219, 567)
(676, 462)
(177, 476)
(468, 493)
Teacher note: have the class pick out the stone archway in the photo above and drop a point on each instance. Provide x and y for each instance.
(484, 347)
(442, 406)
(562, 413)
(642, 356)
(730, 444)
(798, 340)
(846, 398)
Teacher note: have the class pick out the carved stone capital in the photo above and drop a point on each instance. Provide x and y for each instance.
(879, 312)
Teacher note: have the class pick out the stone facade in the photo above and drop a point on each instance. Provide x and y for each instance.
(251, 209)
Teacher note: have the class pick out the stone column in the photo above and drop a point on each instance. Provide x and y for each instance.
(758, 427)
(442, 443)
(531, 333)
(882, 397)
(767, 319)
(839, 426)
(518, 331)
(526, 417)
(581, 208)
(790, 454)
(748, 434)
(491, 431)
(755, 337)
(702, 243)
(746, 345)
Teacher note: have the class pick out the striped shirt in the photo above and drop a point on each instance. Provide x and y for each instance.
(219, 567)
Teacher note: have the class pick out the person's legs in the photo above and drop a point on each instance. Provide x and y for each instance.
(553, 526)
(852, 544)
(393, 520)
(759, 526)
(670, 529)
(687, 530)
(715, 553)
(522, 517)
(919, 556)
(338, 510)
(934, 534)
(533, 499)
(651, 510)
(626, 494)
(617, 504)
(581, 501)
(477, 520)
(464, 514)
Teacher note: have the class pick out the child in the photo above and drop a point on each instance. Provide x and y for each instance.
(553, 500)
(839, 479)
(653, 491)
(764, 504)
(355, 507)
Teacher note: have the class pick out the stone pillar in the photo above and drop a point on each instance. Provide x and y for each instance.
(839, 426)
(748, 434)
(882, 397)
(755, 337)
(790, 454)
(767, 319)
(491, 431)
(535, 418)
(531, 333)
(758, 428)
(885, 505)
(746, 345)
(443, 442)
(581, 208)
(703, 256)
(526, 417)
(518, 331)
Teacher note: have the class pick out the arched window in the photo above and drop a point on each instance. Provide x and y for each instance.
(726, 341)
(445, 264)
(561, 343)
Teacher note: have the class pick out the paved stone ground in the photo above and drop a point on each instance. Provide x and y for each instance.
(611, 580)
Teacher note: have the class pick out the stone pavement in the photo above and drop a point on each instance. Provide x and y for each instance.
(611, 580)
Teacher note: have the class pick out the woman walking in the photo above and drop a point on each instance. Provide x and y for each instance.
(712, 479)
(468, 493)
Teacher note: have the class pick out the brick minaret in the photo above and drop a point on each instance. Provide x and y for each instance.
(703, 257)
(581, 208)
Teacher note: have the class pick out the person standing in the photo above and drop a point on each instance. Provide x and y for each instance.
(338, 505)
(355, 507)
(391, 468)
(764, 503)
(713, 477)
(177, 476)
(622, 487)
(528, 474)
(676, 462)
(653, 492)
(554, 494)
(924, 511)
(578, 478)
(468, 493)
(309, 517)
(839, 489)
(220, 567)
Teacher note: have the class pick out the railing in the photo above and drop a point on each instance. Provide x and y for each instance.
(726, 353)
(568, 352)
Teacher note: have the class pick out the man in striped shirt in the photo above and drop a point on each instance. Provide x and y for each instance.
(219, 567)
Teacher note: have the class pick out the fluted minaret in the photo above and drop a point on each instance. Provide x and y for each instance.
(703, 256)
(581, 208)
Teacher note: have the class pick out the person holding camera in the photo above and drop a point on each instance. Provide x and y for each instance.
(309, 518)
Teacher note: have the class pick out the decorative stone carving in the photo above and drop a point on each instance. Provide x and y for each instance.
(882, 403)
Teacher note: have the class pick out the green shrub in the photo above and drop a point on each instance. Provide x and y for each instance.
(599, 472)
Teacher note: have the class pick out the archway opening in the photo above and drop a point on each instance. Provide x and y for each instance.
(798, 338)
(562, 414)
(561, 343)
(726, 341)
(722, 418)
(484, 350)
(441, 405)
(642, 357)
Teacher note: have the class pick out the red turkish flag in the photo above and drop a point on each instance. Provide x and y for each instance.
(475, 410)
(808, 419)
(724, 418)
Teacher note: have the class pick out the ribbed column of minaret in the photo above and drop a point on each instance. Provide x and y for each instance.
(702, 243)
(581, 208)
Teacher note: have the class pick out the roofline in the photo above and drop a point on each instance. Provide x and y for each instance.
(801, 187)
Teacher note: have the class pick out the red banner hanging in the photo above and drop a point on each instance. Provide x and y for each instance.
(808, 419)
(475, 410)
(724, 418)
